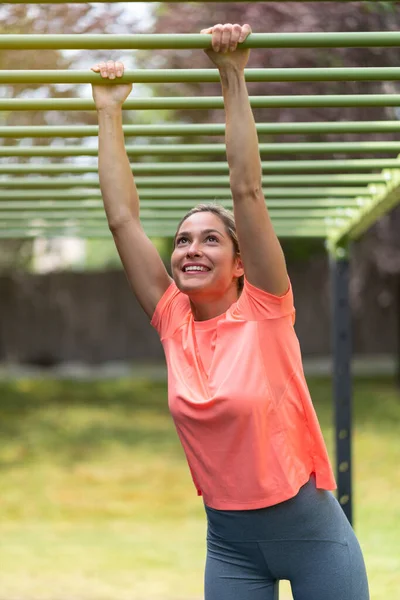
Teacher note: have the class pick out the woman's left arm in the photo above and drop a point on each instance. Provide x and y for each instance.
(261, 252)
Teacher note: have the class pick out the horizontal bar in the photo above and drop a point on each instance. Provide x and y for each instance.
(199, 41)
(208, 102)
(50, 76)
(202, 129)
(310, 225)
(202, 181)
(36, 232)
(182, 205)
(173, 216)
(190, 195)
(201, 149)
(274, 166)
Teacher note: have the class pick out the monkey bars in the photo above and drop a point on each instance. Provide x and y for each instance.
(331, 197)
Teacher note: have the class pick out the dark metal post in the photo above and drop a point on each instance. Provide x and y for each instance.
(398, 330)
(342, 385)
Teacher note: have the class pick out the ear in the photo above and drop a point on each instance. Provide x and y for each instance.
(238, 268)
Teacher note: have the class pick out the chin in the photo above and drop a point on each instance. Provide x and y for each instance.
(191, 286)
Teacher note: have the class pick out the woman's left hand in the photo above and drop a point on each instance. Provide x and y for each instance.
(225, 39)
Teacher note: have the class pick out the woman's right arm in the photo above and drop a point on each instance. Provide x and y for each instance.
(143, 265)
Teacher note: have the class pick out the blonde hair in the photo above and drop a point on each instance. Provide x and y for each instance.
(228, 220)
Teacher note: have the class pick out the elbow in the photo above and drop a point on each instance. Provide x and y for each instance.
(246, 184)
(244, 191)
(116, 224)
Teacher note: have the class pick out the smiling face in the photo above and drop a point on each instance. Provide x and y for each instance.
(203, 261)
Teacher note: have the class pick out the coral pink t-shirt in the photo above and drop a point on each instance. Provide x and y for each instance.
(239, 400)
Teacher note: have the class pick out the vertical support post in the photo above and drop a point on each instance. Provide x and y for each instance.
(398, 330)
(342, 385)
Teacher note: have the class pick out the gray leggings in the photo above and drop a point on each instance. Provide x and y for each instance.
(307, 540)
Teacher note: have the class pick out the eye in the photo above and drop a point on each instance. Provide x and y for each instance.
(179, 240)
(212, 237)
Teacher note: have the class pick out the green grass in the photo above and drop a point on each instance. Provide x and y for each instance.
(96, 499)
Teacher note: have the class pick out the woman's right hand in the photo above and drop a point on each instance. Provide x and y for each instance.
(110, 96)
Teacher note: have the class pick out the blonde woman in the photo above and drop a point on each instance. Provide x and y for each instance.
(236, 388)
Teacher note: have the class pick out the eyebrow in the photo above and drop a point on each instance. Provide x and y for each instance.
(187, 233)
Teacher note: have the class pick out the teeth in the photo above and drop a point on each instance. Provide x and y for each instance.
(195, 269)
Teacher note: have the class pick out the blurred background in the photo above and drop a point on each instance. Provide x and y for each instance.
(96, 498)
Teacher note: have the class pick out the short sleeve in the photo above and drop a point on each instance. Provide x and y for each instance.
(171, 311)
(255, 304)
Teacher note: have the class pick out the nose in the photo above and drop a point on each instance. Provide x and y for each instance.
(193, 249)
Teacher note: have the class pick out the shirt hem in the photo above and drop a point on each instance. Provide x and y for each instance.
(264, 503)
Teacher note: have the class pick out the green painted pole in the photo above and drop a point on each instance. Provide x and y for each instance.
(277, 166)
(50, 76)
(173, 216)
(181, 205)
(205, 181)
(53, 232)
(189, 195)
(281, 166)
(159, 225)
(196, 41)
(205, 149)
(202, 129)
(208, 102)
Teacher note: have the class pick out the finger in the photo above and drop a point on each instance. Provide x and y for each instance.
(246, 30)
(119, 68)
(111, 69)
(103, 69)
(216, 37)
(95, 68)
(208, 30)
(226, 37)
(236, 31)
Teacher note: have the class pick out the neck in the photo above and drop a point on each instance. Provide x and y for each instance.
(208, 307)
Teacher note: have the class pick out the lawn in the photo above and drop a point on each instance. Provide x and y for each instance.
(97, 502)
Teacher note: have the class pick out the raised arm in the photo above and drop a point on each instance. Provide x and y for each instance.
(261, 252)
(143, 265)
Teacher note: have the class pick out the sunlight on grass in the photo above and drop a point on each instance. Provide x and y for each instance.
(97, 501)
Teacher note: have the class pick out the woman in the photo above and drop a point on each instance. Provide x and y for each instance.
(237, 392)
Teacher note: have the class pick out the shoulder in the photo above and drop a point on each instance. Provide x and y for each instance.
(172, 310)
(257, 304)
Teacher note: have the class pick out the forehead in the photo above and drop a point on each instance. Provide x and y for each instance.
(202, 220)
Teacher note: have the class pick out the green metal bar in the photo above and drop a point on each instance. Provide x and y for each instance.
(205, 181)
(173, 216)
(189, 195)
(159, 226)
(86, 76)
(181, 205)
(200, 41)
(208, 102)
(278, 166)
(378, 205)
(201, 149)
(35, 232)
(202, 129)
